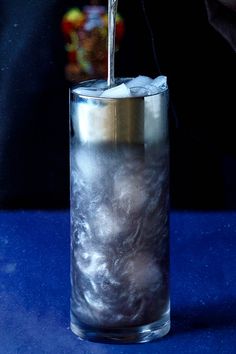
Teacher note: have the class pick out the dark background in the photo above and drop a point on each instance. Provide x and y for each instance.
(199, 64)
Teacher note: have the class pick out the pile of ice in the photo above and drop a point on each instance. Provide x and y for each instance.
(136, 87)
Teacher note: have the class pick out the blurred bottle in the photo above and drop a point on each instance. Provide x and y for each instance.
(85, 34)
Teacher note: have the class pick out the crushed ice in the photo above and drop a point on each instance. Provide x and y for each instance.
(137, 87)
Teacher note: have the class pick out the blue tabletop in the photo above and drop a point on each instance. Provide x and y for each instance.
(35, 286)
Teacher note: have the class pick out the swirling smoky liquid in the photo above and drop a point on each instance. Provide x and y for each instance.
(119, 225)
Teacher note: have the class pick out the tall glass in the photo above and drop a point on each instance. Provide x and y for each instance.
(119, 168)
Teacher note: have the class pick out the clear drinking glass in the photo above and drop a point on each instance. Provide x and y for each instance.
(119, 169)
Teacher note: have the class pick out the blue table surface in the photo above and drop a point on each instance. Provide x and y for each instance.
(35, 286)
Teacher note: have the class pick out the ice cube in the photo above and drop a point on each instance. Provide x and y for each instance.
(120, 91)
(139, 81)
(99, 84)
(88, 92)
(106, 223)
(129, 192)
(160, 82)
(139, 91)
(143, 272)
(152, 90)
(87, 164)
(144, 85)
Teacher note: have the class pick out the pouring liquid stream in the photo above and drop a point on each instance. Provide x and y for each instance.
(112, 11)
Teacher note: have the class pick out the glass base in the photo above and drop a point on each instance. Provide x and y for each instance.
(139, 334)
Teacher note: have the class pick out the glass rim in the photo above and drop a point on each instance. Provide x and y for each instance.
(85, 85)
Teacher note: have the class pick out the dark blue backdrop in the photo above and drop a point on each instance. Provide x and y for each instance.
(35, 286)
